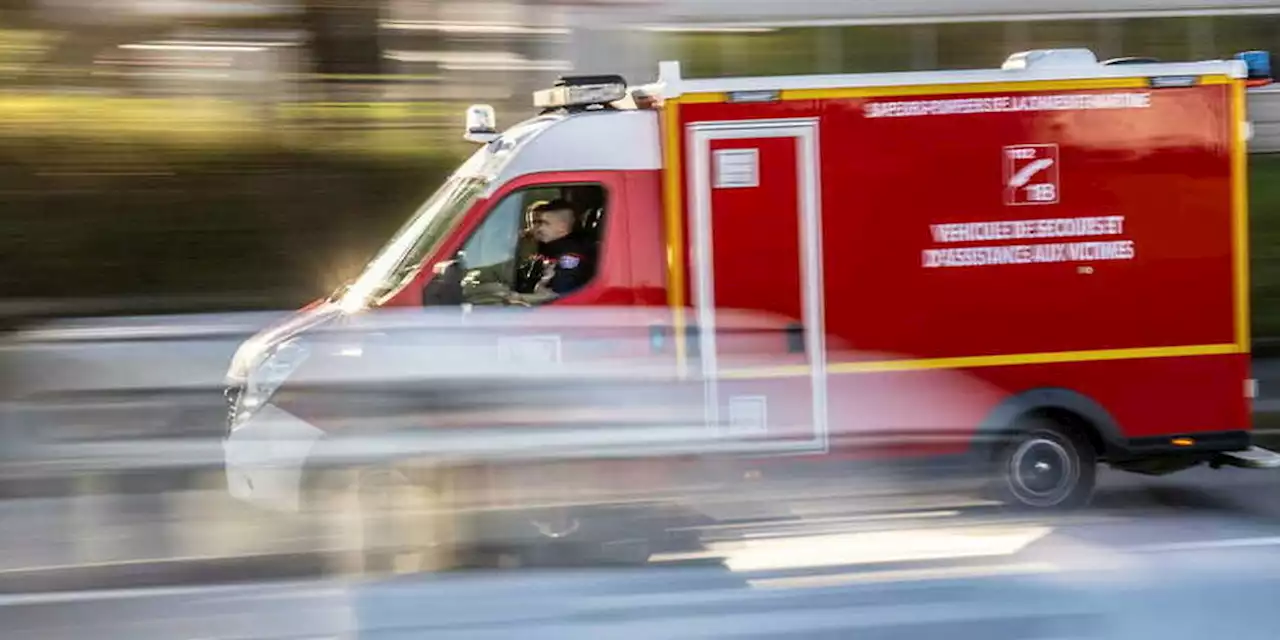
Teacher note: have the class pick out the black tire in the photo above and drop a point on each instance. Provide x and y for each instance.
(582, 537)
(1046, 466)
(383, 522)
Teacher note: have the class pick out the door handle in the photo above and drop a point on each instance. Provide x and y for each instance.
(795, 338)
(659, 333)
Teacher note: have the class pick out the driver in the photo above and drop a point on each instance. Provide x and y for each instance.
(562, 262)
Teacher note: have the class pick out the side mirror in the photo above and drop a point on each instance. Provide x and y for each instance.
(1258, 66)
(482, 124)
(445, 286)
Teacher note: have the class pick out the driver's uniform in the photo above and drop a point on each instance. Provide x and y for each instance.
(555, 269)
(558, 267)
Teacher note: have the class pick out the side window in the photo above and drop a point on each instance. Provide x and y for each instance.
(494, 241)
(510, 250)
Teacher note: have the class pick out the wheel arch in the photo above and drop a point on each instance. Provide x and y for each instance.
(1066, 407)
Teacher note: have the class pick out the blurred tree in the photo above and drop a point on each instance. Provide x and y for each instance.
(81, 31)
(344, 40)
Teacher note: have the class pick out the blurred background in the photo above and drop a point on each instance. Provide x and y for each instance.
(163, 157)
(258, 152)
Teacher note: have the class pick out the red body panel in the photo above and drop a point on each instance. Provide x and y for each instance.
(1158, 180)
(887, 181)
(757, 262)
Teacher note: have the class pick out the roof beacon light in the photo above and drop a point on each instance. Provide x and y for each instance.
(581, 91)
(1258, 66)
(482, 123)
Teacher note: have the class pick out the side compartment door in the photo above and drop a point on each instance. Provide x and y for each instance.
(756, 254)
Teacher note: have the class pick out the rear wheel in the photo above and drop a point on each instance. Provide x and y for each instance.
(1047, 466)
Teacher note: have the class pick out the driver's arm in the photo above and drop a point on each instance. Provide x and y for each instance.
(503, 272)
(531, 299)
(492, 284)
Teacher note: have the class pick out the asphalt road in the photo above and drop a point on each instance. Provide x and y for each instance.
(1186, 556)
(1190, 555)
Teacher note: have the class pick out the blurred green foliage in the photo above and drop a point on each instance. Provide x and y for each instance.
(121, 196)
(1264, 207)
(960, 45)
(85, 218)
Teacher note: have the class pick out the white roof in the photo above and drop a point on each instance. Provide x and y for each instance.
(613, 140)
(1045, 64)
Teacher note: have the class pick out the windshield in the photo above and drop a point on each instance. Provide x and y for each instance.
(400, 258)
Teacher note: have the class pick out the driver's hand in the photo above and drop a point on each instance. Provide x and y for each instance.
(488, 293)
(474, 278)
(514, 298)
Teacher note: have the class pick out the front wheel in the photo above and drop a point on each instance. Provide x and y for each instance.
(386, 520)
(1046, 466)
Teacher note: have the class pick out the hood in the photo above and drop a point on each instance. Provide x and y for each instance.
(316, 314)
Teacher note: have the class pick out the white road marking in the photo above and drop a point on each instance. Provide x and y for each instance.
(827, 526)
(904, 575)
(108, 594)
(879, 547)
(1199, 545)
(790, 523)
(207, 592)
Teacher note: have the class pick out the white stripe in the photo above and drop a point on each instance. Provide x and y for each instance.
(809, 160)
(904, 575)
(877, 547)
(247, 591)
(1235, 543)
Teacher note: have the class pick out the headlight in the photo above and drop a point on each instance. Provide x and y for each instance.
(263, 379)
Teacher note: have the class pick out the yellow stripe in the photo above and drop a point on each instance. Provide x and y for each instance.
(675, 231)
(1240, 214)
(973, 362)
(1218, 79)
(983, 87)
(702, 98)
(933, 89)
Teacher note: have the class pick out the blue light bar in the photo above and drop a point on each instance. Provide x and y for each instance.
(1258, 64)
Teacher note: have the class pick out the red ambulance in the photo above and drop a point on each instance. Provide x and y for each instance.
(1072, 232)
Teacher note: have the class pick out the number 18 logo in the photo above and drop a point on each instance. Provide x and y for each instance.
(1031, 174)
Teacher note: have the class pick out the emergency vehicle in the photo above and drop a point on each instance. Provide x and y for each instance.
(1072, 232)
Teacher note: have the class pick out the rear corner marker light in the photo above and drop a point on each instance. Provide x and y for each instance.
(754, 96)
(1257, 66)
(1183, 442)
(1166, 82)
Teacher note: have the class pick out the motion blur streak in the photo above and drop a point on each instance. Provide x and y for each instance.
(177, 177)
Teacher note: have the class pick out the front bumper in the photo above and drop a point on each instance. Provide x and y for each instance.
(266, 459)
